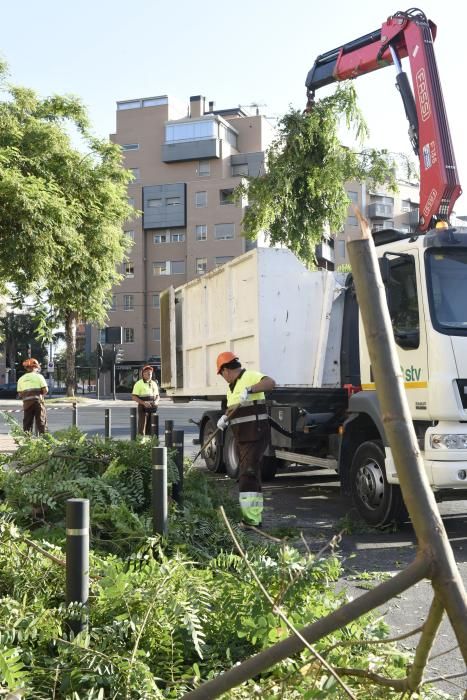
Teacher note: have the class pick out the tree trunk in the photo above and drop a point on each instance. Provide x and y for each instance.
(70, 338)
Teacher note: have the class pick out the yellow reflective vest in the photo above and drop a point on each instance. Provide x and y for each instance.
(247, 379)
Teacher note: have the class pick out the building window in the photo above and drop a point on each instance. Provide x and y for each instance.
(201, 199)
(352, 220)
(222, 259)
(113, 303)
(130, 234)
(136, 174)
(128, 302)
(201, 266)
(240, 169)
(128, 269)
(156, 334)
(130, 147)
(160, 238)
(224, 231)
(201, 232)
(173, 201)
(161, 268)
(128, 335)
(177, 267)
(226, 196)
(353, 196)
(191, 131)
(204, 168)
(154, 202)
(102, 335)
(177, 237)
(405, 205)
(168, 267)
(341, 249)
(156, 300)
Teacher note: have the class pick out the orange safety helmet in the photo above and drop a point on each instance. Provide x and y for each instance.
(31, 363)
(147, 367)
(224, 358)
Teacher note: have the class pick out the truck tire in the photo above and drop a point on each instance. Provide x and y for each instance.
(212, 455)
(269, 468)
(230, 455)
(377, 502)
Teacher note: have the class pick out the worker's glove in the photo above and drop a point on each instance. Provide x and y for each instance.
(244, 395)
(222, 423)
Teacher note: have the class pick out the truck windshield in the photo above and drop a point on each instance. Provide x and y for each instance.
(447, 289)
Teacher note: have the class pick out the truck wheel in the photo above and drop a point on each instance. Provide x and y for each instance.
(213, 453)
(269, 468)
(230, 455)
(378, 502)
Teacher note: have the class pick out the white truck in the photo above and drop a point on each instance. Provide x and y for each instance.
(302, 328)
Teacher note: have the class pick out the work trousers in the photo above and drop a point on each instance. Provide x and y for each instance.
(34, 410)
(250, 454)
(144, 419)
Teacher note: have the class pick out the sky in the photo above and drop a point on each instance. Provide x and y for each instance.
(239, 53)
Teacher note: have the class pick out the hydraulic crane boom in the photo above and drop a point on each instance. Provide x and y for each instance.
(405, 34)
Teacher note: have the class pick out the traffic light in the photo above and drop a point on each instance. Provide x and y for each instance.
(100, 355)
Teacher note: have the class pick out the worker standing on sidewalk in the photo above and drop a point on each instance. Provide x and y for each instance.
(146, 394)
(250, 427)
(32, 388)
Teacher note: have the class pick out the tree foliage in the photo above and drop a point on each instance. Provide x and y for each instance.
(302, 192)
(62, 208)
(164, 614)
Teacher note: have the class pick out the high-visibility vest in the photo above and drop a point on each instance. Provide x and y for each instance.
(247, 379)
(33, 382)
(146, 391)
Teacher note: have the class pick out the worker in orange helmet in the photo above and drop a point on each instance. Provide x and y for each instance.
(250, 427)
(146, 394)
(32, 388)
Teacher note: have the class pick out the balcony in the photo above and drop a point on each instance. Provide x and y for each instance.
(376, 210)
(191, 150)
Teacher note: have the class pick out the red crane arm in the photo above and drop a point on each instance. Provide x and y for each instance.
(406, 34)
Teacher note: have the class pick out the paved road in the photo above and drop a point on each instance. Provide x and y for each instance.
(91, 417)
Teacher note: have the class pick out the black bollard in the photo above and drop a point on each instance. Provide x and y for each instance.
(155, 425)
(107, 424)
(77, 558)
(159, 490)
(168, 437)
(74, 415)
(177, 489)
(133, 431)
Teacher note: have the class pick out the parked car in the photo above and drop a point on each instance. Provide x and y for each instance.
(8, 391)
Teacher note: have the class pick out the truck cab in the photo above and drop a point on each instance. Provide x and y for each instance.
(426, 286)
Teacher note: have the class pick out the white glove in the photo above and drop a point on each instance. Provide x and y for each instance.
(244, 395)
(223, 422)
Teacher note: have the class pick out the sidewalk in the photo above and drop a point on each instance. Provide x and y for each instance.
(7, 444)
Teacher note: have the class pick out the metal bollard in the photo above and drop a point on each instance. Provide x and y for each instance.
(74, 415)
(177, 489)
(168, 437)
(159, 490)
(133, 430)
(77, 557)
(155, 425)
(107, 424)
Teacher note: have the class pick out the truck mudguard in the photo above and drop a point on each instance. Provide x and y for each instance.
(366, 403)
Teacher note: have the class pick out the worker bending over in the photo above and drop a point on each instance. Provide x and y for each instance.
(248, 419)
